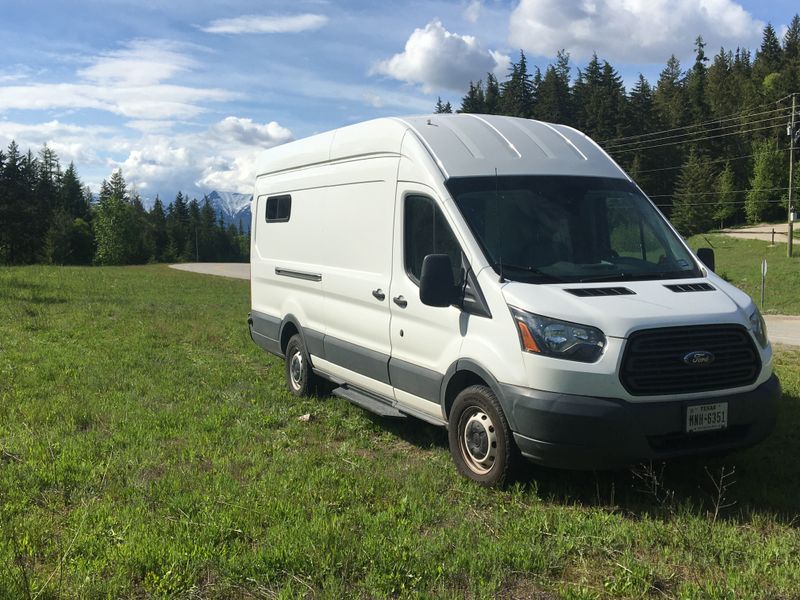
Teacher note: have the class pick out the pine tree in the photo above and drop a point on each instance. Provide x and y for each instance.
(492, 95)
(474, 101)
(693, 205)
(791, 54)
(670, 94)
(696, 84)
(71, 197)
(725, 208)
(158, 227)
(442, 107)
(767, 175)
(517, 93)
(554, 101)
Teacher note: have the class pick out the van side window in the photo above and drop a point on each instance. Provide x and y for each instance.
(426, 232)
(279, 208)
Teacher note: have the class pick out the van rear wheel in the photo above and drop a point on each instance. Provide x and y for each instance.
(480, 439)
(300, 379)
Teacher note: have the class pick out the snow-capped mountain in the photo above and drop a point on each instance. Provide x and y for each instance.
(232, 207)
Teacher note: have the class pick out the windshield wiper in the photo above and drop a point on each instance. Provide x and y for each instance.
(503, 266)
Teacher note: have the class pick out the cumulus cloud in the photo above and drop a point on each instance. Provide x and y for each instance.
(629, 30)
(267, 24)
(245, 131)
(438, 59)
(72, 143)
(222, 157)
(133, 81)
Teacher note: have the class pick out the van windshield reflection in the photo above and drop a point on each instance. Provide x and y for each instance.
(551, 229)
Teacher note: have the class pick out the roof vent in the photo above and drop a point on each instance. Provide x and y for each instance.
(691, 287)
(610, 291)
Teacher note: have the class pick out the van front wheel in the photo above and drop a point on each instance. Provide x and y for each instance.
(480, 438)
(300, 379)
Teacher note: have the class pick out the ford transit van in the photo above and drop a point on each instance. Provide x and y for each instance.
(505, 279)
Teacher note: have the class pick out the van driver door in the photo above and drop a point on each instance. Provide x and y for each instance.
(425, 340)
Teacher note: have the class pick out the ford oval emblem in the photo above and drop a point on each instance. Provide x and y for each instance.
(699, 358)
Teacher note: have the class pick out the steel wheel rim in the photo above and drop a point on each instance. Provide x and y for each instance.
(296, 370)
(477, 440)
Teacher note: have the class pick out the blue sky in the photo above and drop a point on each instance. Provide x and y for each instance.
(183, 95)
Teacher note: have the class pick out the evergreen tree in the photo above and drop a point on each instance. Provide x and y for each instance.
(474, 101)
(599, 100)
(517, 93)
(767, 175)
(492, 95)
(692, 205)
(669, 96)
(116, 224)
(554, 101)
(442, 107)
(791, 55)
(696, 85)
(158, 227)
(71, 197)
(725, 208)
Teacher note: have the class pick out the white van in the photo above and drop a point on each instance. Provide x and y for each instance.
(503, 278)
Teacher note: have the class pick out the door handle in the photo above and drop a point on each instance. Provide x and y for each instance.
(379, 294)
(400, 301)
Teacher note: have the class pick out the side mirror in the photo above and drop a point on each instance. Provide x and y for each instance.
(436, 285)
(706, 256)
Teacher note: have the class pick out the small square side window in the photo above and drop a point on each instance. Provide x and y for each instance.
(279, 208)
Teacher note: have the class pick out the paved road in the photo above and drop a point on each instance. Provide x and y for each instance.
(782, 330)
(234, 270)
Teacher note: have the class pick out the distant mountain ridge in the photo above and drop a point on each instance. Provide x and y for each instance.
(233, 207)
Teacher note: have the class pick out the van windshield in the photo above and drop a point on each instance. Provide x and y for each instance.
(546, 229)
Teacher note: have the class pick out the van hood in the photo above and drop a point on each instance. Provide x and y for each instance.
(651, 305)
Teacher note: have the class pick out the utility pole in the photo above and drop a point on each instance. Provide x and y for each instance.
(790, 225)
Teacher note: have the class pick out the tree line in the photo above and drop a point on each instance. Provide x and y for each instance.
(708, 144)
(48, 216)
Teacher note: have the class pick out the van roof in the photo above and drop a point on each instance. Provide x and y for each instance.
(462, 145)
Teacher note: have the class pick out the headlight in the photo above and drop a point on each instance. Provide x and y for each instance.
(759, 328)
(560, 339)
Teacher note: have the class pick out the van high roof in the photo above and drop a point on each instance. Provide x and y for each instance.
(462, 145)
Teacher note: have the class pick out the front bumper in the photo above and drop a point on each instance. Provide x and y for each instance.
(582, 432)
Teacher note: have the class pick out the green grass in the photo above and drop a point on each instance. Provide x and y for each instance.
(148, 449)
(739, 261)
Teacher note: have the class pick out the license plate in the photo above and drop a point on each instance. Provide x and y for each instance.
(707, 417)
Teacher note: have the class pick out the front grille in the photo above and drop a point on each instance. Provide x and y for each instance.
(691, 287)
(610, 291)
(653, 363)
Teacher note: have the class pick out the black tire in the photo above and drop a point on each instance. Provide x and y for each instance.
(300, 379)
(480, 439)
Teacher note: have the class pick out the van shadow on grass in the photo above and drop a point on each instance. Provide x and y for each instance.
(762, 480)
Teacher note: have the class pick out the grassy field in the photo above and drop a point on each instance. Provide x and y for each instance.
(739, 261)
(148, 449)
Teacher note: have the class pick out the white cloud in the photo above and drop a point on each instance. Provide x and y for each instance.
(131, 82)
(71, 142)
(473, 11)
(140, 63)
(438, 59)
(244, 131)
(222, 157)
(629, 30)
(267, 24)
